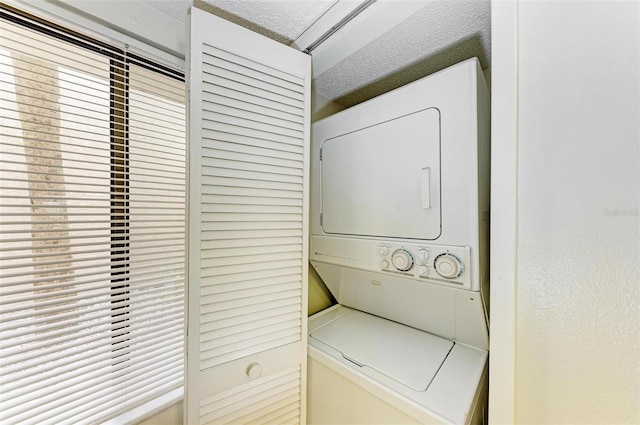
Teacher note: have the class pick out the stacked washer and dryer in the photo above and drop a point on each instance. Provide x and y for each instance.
(399, 234)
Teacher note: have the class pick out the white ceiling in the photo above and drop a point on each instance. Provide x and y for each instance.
(438, 34)
(281, 20)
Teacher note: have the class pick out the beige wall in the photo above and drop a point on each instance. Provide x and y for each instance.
(319, 295)
(578, 181)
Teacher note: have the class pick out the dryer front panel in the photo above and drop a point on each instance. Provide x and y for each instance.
(384, 180)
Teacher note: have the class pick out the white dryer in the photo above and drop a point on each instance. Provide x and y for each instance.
(399, 233)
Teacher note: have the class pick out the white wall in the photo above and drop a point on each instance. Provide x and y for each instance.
(576, 295)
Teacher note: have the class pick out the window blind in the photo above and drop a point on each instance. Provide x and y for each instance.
(92, 230)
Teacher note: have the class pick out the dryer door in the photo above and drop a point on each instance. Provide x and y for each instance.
(384, 180)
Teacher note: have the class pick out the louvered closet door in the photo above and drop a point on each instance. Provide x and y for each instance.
(247, 250)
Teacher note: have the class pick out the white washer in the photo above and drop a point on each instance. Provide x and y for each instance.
(399, 202)
(364, 369)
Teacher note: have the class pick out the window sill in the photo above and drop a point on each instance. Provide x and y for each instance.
(148, 409)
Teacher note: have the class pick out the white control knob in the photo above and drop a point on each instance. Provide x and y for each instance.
(423, 254)
(254, 370)
(384, 250)
(384, 264)
(423, 271)
(402, 260)
(448, 265)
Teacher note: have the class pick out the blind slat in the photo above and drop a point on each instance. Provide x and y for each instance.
(160, 239)
(100, 148)
(64, 298)
(71, 394)
(112, 407)
(117, 306)
(168, 244)
(81, 338)
(66, 364)
(108, 406)
(116, 261)
(74, 98)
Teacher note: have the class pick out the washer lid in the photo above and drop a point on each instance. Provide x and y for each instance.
(404, 354)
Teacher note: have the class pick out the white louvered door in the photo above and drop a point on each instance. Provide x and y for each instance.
(247, 250)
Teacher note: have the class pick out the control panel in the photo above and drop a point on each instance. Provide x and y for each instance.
(438, 263)
(448, 265)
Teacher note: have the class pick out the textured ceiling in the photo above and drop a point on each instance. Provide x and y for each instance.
(281, 20)
(440, 34)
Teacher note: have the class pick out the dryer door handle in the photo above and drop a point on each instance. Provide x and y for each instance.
(426, 187)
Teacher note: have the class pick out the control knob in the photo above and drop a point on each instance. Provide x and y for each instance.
(448, 265)
(402, 259)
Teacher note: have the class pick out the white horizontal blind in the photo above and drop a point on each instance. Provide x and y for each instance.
(92, 180)
(251, 200)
